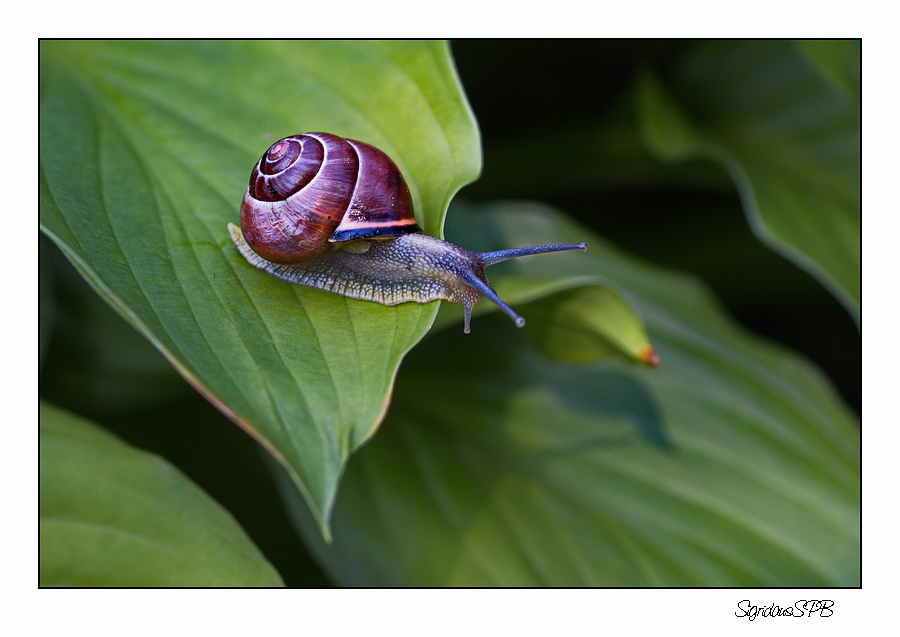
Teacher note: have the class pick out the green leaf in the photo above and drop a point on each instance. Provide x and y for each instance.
(733, 464)
(587, 324)
(838, 61)
(790, 141)
(112, 515)
(146, 149)
(576, 318)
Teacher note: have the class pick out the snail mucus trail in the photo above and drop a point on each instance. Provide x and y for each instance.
(335, 214)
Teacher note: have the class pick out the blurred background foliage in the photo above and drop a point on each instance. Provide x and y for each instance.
(537, 103)
(559, 124)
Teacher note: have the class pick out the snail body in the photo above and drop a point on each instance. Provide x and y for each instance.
(336, 215)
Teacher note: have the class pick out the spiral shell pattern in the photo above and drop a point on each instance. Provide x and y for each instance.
(312, 190)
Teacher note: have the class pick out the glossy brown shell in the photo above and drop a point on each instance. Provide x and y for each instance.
(311, 190)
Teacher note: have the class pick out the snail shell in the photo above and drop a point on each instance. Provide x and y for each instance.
(313, 189)
(336, 215)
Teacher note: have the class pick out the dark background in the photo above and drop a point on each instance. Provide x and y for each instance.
(521, 88)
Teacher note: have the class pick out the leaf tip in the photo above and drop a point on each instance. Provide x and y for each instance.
(649, 357)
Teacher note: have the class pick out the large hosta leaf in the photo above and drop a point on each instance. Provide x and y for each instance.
(112, 515)
(733, 464)
(787, 127)
(146, 148)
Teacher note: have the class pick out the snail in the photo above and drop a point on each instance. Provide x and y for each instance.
(335, 214)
